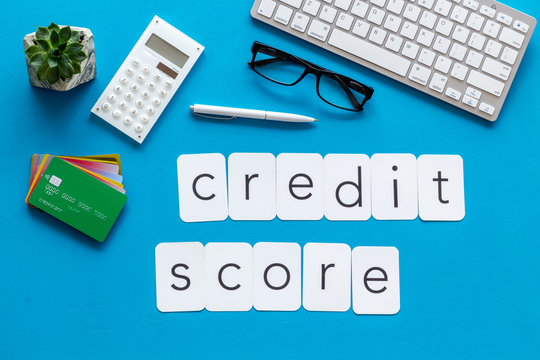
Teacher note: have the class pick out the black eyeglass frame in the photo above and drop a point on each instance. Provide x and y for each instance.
(310, 68)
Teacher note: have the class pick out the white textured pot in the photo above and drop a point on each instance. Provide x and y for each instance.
(88, 66)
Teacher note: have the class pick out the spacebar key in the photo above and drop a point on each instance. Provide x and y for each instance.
(369, 52)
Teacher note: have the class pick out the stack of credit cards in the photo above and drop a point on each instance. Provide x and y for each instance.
(85, 192)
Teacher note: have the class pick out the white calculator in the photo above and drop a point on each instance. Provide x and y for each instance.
(147, 80)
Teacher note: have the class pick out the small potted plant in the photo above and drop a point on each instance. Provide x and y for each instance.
(60, 57)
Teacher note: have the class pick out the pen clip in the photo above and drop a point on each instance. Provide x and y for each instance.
(218, 117)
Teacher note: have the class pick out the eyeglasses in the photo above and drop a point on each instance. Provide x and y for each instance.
(286, 69)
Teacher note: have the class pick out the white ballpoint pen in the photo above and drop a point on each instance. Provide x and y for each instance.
(209, 110)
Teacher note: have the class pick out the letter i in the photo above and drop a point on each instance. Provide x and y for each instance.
(395, 188)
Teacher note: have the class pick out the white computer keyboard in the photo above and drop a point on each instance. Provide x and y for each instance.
(463, 52)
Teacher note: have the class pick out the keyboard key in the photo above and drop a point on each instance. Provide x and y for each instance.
(266, 8)
(472, 92)
(492, 28)
(497, 69)
(459, 71)
(443, 64)
(293, 3)
(369, 52)
(376, 2)
(411, 12)
(426, 57)
(376, 16)
(444, 26)
(425, 37)
(438, 82)
(419, 74)
(343, 4)
(521, 26)
(509, 56)
(359, 8)
(428, 19)
(312, 7)
(475, 22)
(409, 30)
(458, 52)
(344, 21)
(300, 22)
(505, 19)
(460, 34)
(392, 23)
(474, 59)
(487, 11)
(361, 28)
(443, 7)
(395, 6)
(485, 83)
(377, 35)
(441, 45)
(453, 93)
(488, 109)
(459, 14)
(428, 4)
(511, 38)
(410, 50)
(318, 30)
(493, 48)
(471, 4)
(394, 42)
(477, 41)
(469, 101)
(328, 14)
(283, 15)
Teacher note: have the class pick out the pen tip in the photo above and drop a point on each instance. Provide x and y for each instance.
(191, 107)
(315, 120)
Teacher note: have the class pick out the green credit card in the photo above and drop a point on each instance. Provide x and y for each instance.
(78, 199)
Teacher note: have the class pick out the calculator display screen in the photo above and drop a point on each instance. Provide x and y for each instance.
(166, 50)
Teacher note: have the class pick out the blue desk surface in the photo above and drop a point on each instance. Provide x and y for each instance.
(468, 289)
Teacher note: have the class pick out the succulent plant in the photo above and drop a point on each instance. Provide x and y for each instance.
(57, 53)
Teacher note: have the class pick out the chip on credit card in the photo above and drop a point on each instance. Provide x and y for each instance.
(87, 201)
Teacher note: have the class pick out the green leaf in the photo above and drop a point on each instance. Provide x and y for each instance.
(52, 62)
(44, 44)
(38, 59)
(55, 38)
(75, 36)
(62, 47)
(32, 50)
(76, 68)
(53, 26)
(65, 34)
(73, 48)
(53, 75)
(66, 70)
(78, 57)
(42, 33)
(41, 72)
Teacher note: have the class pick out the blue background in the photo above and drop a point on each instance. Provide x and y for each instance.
(468, 289)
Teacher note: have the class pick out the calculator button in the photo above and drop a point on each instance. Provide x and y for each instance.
(156, 101)
(151, 85)
(111, 97)
(168, 83)
(116, 113)
(127, 121)
(123, 79)
(122, 104)
(145, 94)
(140, 78)
(150, 110)
(135, 62)
(105, 106)
(162, 92)
(129, 71)
(133, 112)
(134, 87)
(144, 119)
(139, 102)
(117, 88)
(146, 69)
(139, 128)
(157, 77)
(128, 96)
